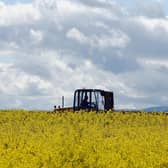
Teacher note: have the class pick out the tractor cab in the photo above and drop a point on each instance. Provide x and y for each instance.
(93, 99)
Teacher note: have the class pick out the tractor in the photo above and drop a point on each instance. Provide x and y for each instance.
(90, 100)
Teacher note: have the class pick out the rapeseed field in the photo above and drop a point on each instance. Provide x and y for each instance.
(83, 140)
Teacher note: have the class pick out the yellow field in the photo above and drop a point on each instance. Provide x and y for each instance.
(87, 140)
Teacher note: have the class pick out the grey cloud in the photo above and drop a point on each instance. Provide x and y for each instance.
(149, 83)
(152, 9)
(146, 41)
(111, 5)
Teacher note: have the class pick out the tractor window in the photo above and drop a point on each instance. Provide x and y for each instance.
(77, 100)
(93, 102)
(100, 100)
(85, 100)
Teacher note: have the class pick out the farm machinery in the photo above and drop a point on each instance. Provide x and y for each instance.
(90, 100)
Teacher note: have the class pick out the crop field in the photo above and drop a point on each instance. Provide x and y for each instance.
(83, 140)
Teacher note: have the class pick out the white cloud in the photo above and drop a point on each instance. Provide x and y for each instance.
(36, 35)
(18, 14)
(77, 35)
(64, 10)
(155, 25)
(160, 65)
(115, 38)
(16, 82)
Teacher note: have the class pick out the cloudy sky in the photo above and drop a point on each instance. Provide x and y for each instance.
(48, 48)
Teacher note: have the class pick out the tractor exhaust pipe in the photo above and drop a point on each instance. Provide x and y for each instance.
(62, 101)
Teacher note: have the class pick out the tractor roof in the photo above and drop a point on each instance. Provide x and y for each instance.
(90, 90)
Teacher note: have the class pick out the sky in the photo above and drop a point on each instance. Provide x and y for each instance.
(49, 48)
